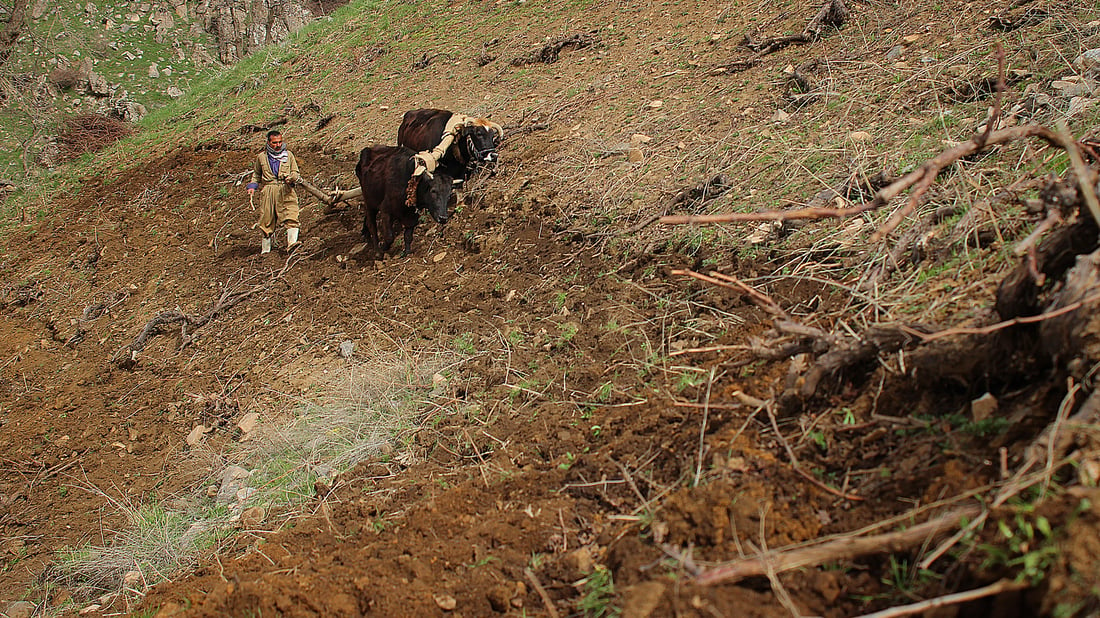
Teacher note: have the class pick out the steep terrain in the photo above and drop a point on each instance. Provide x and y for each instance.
(594, 431)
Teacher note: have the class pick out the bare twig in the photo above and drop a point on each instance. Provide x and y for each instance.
(761, 299)
(998, 587)
(992, 328)
(703, 429)
(531, 577)
(841, 549)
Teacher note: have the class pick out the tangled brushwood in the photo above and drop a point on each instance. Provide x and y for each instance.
(89, 133)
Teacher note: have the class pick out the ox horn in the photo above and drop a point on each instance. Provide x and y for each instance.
(499, 130)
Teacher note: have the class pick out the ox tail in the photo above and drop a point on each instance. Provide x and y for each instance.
(410, 192)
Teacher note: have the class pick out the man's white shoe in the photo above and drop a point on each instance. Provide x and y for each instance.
(265, 245)
(291, 238)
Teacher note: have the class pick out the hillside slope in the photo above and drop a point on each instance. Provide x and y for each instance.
(577, 427)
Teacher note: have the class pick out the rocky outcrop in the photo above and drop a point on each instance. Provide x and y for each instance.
(243, 26)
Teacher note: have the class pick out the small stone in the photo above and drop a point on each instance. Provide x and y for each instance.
(359, 248)
(253, 517)
(248, 422)
(656, 104)
(153, 72)
(500, 597)
(19, 609)
(580, 560)
(445, 601)
(437, 258)
(859, 137)
(641, 600)
(983, 407)
(174, 92)
(1089, 62)
(346, 349)
(894, 53)
(195, 437)
(780, 117)
(131, 579)
(634, 155)
(912, 38)
(233, 480)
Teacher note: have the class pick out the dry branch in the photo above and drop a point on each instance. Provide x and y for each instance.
(228, 299)
(761, 299)
(780, 560)
(832, 14)
(932, 168)
(998, 587)
(549, 53)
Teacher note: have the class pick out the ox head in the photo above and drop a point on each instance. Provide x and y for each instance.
(433, 193)
(480, 140)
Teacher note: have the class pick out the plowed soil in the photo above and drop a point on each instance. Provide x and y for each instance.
(604, 425)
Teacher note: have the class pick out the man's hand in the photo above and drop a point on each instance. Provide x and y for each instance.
(251, 190)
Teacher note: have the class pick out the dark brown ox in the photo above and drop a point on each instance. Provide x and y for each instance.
(475, 139)
(391, 190)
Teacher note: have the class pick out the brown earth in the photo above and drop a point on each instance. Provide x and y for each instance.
(538, 475)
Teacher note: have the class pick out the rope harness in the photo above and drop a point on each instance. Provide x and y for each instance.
(427, 160)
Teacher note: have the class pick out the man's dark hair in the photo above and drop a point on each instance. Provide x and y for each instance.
(273, 133)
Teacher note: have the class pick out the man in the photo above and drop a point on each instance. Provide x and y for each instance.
(278, 170)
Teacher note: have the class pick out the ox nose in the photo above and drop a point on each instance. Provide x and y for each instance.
(491, 157)
(443, 220)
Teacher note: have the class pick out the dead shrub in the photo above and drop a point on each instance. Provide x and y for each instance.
(89, 133)
(64, 77)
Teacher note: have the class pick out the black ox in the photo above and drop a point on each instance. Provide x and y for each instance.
(390, 189)
(474, 146)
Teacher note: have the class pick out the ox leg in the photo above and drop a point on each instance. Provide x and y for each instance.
(370, 230)
(408, 240)
(387, 232)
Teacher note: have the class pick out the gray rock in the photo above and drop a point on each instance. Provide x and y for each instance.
(1089, 63)
(126, 110)
(174, 92)
(346, 349)
(39, 9)
(324, 473)
(234, 480)
(894, 53)
(191, 537)
(153, 72)
(90, 9)
(98, 86)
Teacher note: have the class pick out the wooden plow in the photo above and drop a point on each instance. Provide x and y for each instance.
(332, 197)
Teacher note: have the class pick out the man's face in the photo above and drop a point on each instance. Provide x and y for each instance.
(276, 142)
